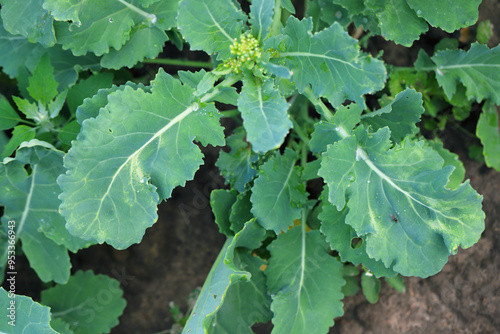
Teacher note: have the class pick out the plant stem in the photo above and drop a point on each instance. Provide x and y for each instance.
(148, 16)
(179, 62)
(275, 30)
(230, 113)
(300, 132)
(320, 106)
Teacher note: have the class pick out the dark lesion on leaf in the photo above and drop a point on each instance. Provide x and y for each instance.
(356, 243)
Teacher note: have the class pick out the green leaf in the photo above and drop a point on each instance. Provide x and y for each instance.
(240, 211)
(261, 18)
(30, 110)
(264, 113)
(144, 42)
(287, 4)
(305, 283)
(326, 133)
(210, 25)
(448, 16)
(278, 193)
(43, 85)
(397, 283)
(450, 159)
(221, 201)
(31, 200)
(477, 69)
(343, 238)
(68, 132)
(89, 303)
(214, 290)
(237, 165)
(28, 19)
(398, 200)
(87, 88)
(401, 115)
(484, 31)
(131, 156)
(371, 287)
(91, 106)
(60, 326)
(342, 71)
(21, 133)
(97, 25)
(28, 317)
(488, 132)
(8, 116)
(397, 14)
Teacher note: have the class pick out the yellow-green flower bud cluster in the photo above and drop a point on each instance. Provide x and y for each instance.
(247, 52)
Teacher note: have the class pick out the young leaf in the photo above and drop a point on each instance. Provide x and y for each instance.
(240, 211)
(28, 316)
(236, 166)
(450, 159)
(221, 201)
(261, 18)
(131, 156)
(305, 283)
(477, 69)
(488, 131)
(87, 88)
(89, 303)
(210, 25)
(43, 85)
(264, 113)
(31, 201)
(21, 133)
(343, 238)
(8, 116)
(440, 14)
(371, 287)
(398, 199)
(401, 115)
(342, 71)
(277, 193)
(28, 19)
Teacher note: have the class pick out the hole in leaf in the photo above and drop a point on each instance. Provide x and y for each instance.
(110, 130)
(356, 243)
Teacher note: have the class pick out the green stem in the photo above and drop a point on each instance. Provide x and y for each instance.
(148, 16)
(27, 122)
(300, 132)
(320, 106)
(228, 82)
(277, 18)
(179, 62)
(230, 113)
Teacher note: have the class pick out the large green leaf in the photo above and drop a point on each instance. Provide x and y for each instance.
(305, 283)
(489, 133)
(448, 15)
(398, 201)
(131, 156)
(342, 72)
(29, 19)
(343, 239)
(89, 303)
(97, 25)
(477, 69)
(28, 317)
(278, 194)
(42, 84)
(210, 25)
(230, 285)
(401, 115)
(264, 113)
(31, 201)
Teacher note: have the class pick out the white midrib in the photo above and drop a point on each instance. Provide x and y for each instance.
(174, 121)
(261, 108)
(28, 201)
(303, 258)
(217, 24)
(308, 54)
